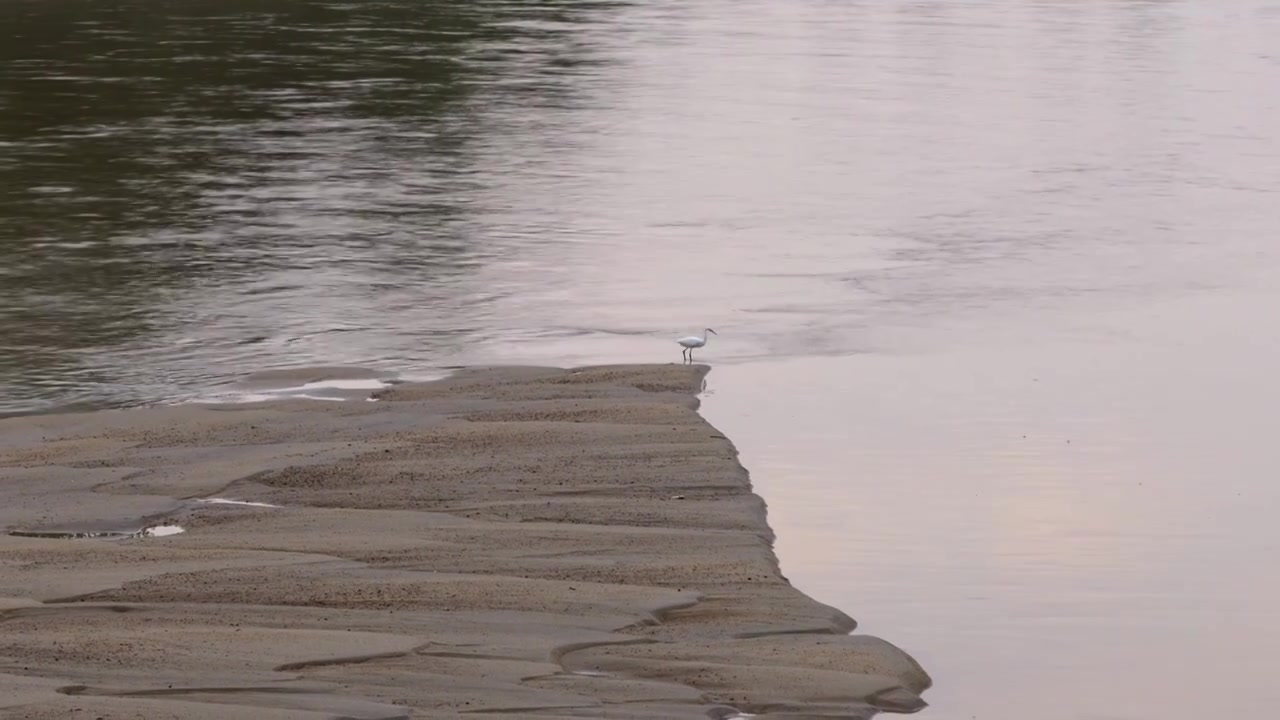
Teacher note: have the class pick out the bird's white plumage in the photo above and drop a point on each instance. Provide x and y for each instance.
(692, 342)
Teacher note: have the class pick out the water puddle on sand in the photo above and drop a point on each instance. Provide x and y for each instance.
(242, 503)
(161, 531)
(333, 391)
(165, 529)
(300, 384)
(153, 531)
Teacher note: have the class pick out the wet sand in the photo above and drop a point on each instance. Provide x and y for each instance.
(509, 542)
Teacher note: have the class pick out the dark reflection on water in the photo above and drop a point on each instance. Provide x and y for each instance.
(194, 191)
(320, 164)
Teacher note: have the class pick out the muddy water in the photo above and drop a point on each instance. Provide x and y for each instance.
(993, 280)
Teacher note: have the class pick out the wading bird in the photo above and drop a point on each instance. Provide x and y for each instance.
(691, 342)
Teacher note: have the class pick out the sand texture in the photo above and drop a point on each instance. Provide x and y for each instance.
(509, 542)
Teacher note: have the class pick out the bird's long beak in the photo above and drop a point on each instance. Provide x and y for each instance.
(713, 332)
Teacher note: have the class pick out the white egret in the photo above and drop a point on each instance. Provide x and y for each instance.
(693, 341)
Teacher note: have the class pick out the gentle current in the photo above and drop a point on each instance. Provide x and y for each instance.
(994, 281)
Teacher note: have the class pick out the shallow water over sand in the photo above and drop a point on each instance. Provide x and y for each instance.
(993, 282)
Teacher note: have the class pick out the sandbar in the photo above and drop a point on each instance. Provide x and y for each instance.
(505, 542)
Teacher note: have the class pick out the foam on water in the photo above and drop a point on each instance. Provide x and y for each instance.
(356, 384)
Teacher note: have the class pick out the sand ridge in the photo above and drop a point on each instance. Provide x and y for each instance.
(507, 542)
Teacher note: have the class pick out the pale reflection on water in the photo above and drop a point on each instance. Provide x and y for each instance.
(1056, 531)
(924, 230)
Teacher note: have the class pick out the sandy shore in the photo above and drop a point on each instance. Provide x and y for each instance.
(515, 542)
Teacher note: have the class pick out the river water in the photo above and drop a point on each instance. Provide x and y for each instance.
(994, 281)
